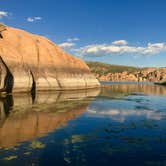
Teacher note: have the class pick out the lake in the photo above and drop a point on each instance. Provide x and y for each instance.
(119, 124)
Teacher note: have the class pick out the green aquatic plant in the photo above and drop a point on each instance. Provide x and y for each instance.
(27, 153)
(77, 138)
(37, 145)
(10, 158)
(68, 160)
(9, 148)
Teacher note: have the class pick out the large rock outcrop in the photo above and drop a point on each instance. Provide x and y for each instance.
(31, 61)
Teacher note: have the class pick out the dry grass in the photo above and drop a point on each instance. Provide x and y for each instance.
(2, 27)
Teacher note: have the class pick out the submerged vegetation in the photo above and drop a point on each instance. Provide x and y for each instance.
(10, 158)
(37, 145)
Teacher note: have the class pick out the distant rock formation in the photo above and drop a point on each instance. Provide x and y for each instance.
(124, 76)
(31, 62)
(121, 73)
(142, 75)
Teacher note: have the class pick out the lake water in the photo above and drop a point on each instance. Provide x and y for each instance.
(119, 124)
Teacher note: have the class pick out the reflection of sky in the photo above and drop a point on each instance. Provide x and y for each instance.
(132, 107)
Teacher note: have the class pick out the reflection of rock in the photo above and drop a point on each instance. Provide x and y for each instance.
(161, 83)
(128, 100)
(50, 111)
(127, 89)
(35, 61)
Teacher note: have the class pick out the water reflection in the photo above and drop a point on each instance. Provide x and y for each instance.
(126, 101)
(122, 115)
(115, 90)
(123, 125)
(23, 119)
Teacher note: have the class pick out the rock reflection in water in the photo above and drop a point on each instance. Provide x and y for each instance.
(127, 89)
(20, 120)
(127, 101)
(126, 122)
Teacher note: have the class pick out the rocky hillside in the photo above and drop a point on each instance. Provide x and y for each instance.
(108, 72)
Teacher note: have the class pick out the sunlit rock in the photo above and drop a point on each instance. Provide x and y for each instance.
(31, 61)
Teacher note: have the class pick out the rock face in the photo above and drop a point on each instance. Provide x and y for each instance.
(30, 61)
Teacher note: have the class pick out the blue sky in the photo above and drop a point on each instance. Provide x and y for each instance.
(128, 32)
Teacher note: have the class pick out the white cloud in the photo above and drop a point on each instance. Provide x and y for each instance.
(73, 39)
(67, 45)
(3, 14)
(110, 49)
(38, 18)
(32, 19)
(120, 42)
(119, 47)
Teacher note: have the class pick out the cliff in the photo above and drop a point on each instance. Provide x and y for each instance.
(31, 62)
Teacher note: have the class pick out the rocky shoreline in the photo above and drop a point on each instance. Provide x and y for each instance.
(125, 75)
(145, 75)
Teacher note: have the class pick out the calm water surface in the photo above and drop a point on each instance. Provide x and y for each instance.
(120, 124)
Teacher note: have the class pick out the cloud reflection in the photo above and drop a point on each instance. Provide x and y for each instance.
(122, 115)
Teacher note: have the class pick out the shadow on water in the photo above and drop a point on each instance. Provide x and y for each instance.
(24, 117)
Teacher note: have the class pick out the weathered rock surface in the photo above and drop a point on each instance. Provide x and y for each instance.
(35, 62)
